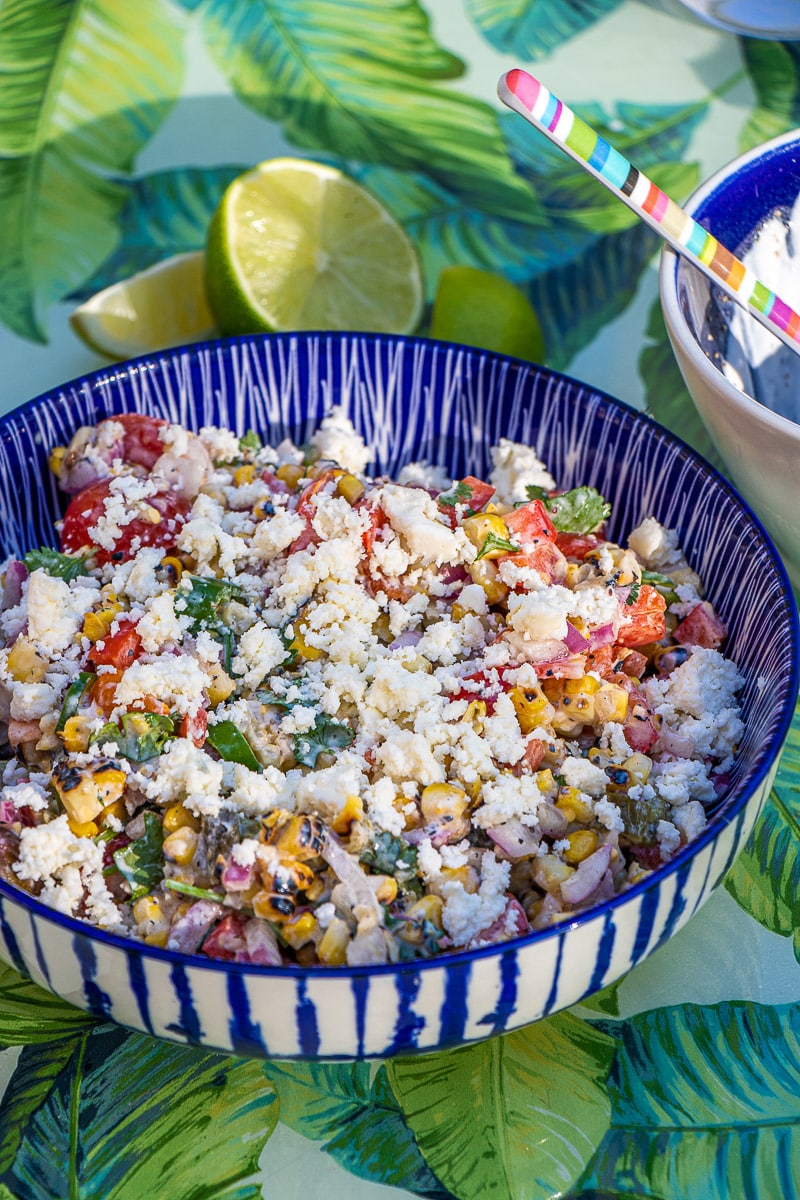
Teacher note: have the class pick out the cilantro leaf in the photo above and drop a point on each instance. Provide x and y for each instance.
(325, 736)
(62, 566)
(461, 493)
(140, 862)
(534, 491)
(390, 855)
(633, 594)
(580, 510)
(250, 441)
(202, 599)
(493, 542)
(231, 745)
(73, 696)
(141, 736)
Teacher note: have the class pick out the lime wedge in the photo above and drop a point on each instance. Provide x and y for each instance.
(486, 310)
(295, 244)
(163, 306)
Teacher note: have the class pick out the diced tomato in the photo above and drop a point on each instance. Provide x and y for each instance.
(701, 627)
(88, 506)
(118, 649)
(141, 443)
(195, 727)
(602, 660)
(307, 510)
(641, 726)
(577, 545)
(542, 556)
(377, 520)
(480, 494)
(530, 523)
(633, 663)
(226, 939)
(644, 620)
(101, 693)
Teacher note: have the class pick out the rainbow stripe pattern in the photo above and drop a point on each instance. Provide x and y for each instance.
(531, 99)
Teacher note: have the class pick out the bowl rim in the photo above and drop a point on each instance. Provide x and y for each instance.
(677, 327)
(462, 958)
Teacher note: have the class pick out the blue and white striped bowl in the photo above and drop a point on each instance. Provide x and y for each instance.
(415, 399)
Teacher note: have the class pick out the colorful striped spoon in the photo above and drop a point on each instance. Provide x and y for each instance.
(531, 99)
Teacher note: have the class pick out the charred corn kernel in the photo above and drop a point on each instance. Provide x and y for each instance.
(148, 908)
(272, 906)
(545, 780)
(476, 714)
(572, 805)
(553, 689)
(180, 845)
(352, 810)
(221, 685)
(76, 732)
(549, 872)
(25, 663)
(638, 766)
(332, 949)
(300, 929)
(350, 488)
(290, 474)
(610, 704)
(159, 937)
(484, 573)
(110, 782)
(55, 459)
(116, 811)
(83, 828)
(582, 843)
(84, 793)
(426, 910)
(177, 816)
(172, 568)
(384, 887)
(599, 757)
(243, 475)
(483, 525)
(316, 890)
(467, 876)
(97, 624)
(300, 837)
(301, 647)
(531, 706)
(586, 685)
(443, 799)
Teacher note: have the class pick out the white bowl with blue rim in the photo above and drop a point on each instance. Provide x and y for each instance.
(749, 405)
(415, 399)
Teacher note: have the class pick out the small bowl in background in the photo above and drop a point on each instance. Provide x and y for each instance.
(759, 445)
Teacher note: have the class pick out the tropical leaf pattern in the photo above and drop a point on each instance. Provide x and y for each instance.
(690, 1102)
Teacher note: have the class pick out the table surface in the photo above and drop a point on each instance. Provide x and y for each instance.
(120, 124)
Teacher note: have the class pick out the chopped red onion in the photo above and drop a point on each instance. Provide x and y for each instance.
(350, 873)
(552, 821)
(16, 574)
(575, 642)
(602, 636)
(515, 839)
(236, 878)
(188, 932)
(262, 944)
(410, 637)
(587, 877)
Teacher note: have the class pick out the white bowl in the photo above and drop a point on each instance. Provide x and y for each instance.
(760, 448)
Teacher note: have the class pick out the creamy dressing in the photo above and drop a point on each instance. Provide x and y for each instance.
(756, 361)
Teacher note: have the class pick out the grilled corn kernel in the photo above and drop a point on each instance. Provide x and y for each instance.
(476, 714)
(426, 910)
(301, 647)
(639, 767)
(97, 624)
(587, 684)
(572, 805)
(221, 685)
(300, 929)
(531, 706)
(76, 732)
(483, 525)
(332, 949)
(180, 845)
(350, 488)
(56, 458)
(25, 663)
(316, 890)
(545, 780)
(467, 876)
(549, 872)
(300, 837)
(83, 828)
(147, 908)
(110, 782)
(384, 887)
(171, 568)
(484, 573)
(290, 474)
(582, 843)
(243, 475)
(352, 810)
(115, 811)
(610, 704)
(443, 799)
(177, 816)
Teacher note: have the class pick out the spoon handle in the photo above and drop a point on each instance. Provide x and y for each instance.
(531, 99)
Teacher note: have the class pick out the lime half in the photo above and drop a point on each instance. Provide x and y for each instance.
(295, 244)
(480, 308)
(163, 306)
